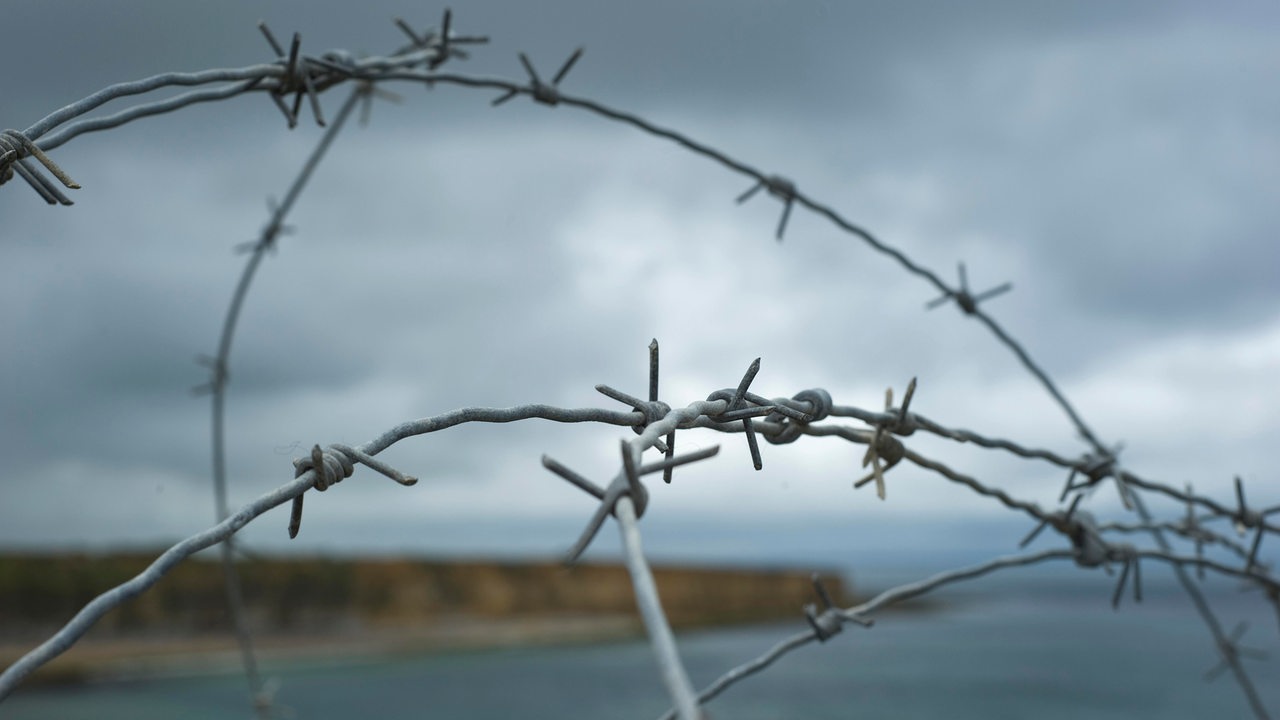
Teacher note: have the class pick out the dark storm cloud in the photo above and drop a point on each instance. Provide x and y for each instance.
(1114, 161)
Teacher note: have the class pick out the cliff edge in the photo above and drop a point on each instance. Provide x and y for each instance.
(345, 607)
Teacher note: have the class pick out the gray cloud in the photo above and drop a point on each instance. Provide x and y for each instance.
(1112, 162)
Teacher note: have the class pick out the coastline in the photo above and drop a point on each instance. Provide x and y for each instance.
(95, 660)
(342, 611)
(123, 659)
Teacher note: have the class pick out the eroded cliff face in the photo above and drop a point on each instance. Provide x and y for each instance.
(326, 596)
(416, 591)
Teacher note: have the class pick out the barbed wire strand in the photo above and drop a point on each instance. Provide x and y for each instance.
(916, 421)
(968, 306)
(674, 676)
(217, 387)
(75, 628)
(1231, 659)
(66, 637)
(261, 699)
(859, 612)
(697, 414)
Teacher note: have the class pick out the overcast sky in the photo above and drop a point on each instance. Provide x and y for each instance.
(1119, 163)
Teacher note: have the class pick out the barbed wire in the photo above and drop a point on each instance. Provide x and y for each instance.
(328, 466)
(217, 386)
(338, 461)
(294, 78)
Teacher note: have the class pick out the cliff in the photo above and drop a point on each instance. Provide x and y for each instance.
(441, 603)
(40, 592)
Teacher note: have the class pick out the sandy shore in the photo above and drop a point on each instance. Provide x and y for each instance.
(97, 660)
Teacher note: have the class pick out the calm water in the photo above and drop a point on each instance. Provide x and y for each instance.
(1044, 649)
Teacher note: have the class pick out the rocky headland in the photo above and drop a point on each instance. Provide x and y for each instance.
(347, 608)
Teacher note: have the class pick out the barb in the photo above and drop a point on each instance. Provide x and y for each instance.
(736, 408)
(627, 482)
(440, 46)
(779, 187)
(1232, 651)
(670, 449)
(302, 75)
(1095, 467)
(966, 301)
(651, 411)
(547, 94)
(830, 622)
(331, 467)
(1130, 559)
(1245, 519)
(15, 147)
(884, 451)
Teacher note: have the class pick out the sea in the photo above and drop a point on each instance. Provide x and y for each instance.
(1020, 646)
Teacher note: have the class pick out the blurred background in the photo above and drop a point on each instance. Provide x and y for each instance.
(1116, 163)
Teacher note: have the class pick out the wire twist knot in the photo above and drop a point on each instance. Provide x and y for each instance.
(302, 77)
(830, 622)
(332, 465)
(1082, 530)
(1092, 551)
(650, 411)
(819, 406)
